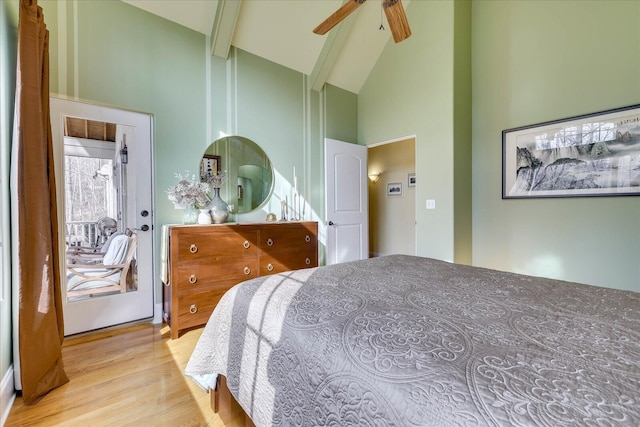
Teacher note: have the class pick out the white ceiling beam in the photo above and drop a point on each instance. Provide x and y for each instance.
(224, 26)
(329, 53)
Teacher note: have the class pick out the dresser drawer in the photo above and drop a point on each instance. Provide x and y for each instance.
(287, 237)
(223, 273)
(285, 261)
(227, 242)
(195, 309)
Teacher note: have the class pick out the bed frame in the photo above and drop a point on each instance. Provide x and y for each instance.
(227, 407)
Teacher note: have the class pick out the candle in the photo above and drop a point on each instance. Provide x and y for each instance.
(295, 181)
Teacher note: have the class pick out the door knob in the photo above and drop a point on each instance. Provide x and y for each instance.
(331, 223)
(144, 213)
(145, 227)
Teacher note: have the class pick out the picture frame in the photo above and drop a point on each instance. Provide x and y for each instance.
(394, 189)
(209, 165)
(595, 154)
(411, 180)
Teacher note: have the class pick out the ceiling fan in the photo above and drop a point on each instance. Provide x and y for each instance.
(392, 8)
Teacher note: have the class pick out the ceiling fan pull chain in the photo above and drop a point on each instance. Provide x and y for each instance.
(381, 9)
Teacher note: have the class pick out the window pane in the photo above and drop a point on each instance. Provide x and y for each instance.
(89, 196)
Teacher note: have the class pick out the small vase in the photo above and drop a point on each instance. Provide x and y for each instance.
(204, 217)
(219, 208)
(190, 215)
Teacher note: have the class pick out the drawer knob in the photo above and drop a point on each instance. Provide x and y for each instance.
(193, 309)
(307, 238)
(246, 244)
(193, 248)
(269, 242)
(247, 270)
(270, 267)
(193, 279)
(307, 261)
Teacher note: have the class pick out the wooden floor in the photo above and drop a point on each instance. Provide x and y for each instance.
(128, 376)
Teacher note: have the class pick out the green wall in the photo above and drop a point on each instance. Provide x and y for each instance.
(472, 69)
(132, 59)
(340, 121)
(411, 92)
(538, 61)
(8, 42)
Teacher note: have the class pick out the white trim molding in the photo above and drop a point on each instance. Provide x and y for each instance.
(390, 141)
(7, 395)
(157, 313)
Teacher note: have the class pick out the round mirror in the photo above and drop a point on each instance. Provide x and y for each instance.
(247, 169)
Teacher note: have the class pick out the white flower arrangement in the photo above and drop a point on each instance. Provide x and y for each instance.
(189, 191)
(215, 181)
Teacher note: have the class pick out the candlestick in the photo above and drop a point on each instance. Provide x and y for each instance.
(283, 210)
(294, 217)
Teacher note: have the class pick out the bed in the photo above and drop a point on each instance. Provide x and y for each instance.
(410, 341)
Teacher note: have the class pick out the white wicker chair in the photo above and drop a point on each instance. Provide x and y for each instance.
(107, 274)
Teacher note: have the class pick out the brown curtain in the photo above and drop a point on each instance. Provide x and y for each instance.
(40, 322)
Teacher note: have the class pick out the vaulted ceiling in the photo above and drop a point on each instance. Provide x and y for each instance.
(281, 31)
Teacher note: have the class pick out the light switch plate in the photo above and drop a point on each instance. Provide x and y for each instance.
(431, 204)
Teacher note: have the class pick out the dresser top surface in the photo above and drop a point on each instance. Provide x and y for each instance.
(240, 224)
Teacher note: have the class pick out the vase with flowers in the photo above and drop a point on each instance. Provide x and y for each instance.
(219, 208)
(189, 194)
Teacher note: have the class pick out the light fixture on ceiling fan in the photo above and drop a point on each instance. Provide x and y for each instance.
(392, 8)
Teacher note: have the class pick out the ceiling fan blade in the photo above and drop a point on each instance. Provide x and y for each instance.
(337, 16)
(397, 20)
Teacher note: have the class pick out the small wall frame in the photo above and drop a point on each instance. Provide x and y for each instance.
(411, 180)
(394, 189)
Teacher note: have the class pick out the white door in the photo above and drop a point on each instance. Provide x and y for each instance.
(346, 201)
(129, 204)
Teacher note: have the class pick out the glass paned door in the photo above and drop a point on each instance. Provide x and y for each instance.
(104, 178)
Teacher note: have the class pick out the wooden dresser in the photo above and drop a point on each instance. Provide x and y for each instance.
(204, 261)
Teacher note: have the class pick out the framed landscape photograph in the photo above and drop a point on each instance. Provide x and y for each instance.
(591, 155)
(394, 189)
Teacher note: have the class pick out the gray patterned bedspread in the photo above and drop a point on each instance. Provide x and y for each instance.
(409, 341)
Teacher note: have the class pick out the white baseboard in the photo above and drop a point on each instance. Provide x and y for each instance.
(7, 395)
(157, 314)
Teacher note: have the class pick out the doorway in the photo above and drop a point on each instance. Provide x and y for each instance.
(392, 197)
(104, 191)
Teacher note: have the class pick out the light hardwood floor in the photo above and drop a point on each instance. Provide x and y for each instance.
(131, 376)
